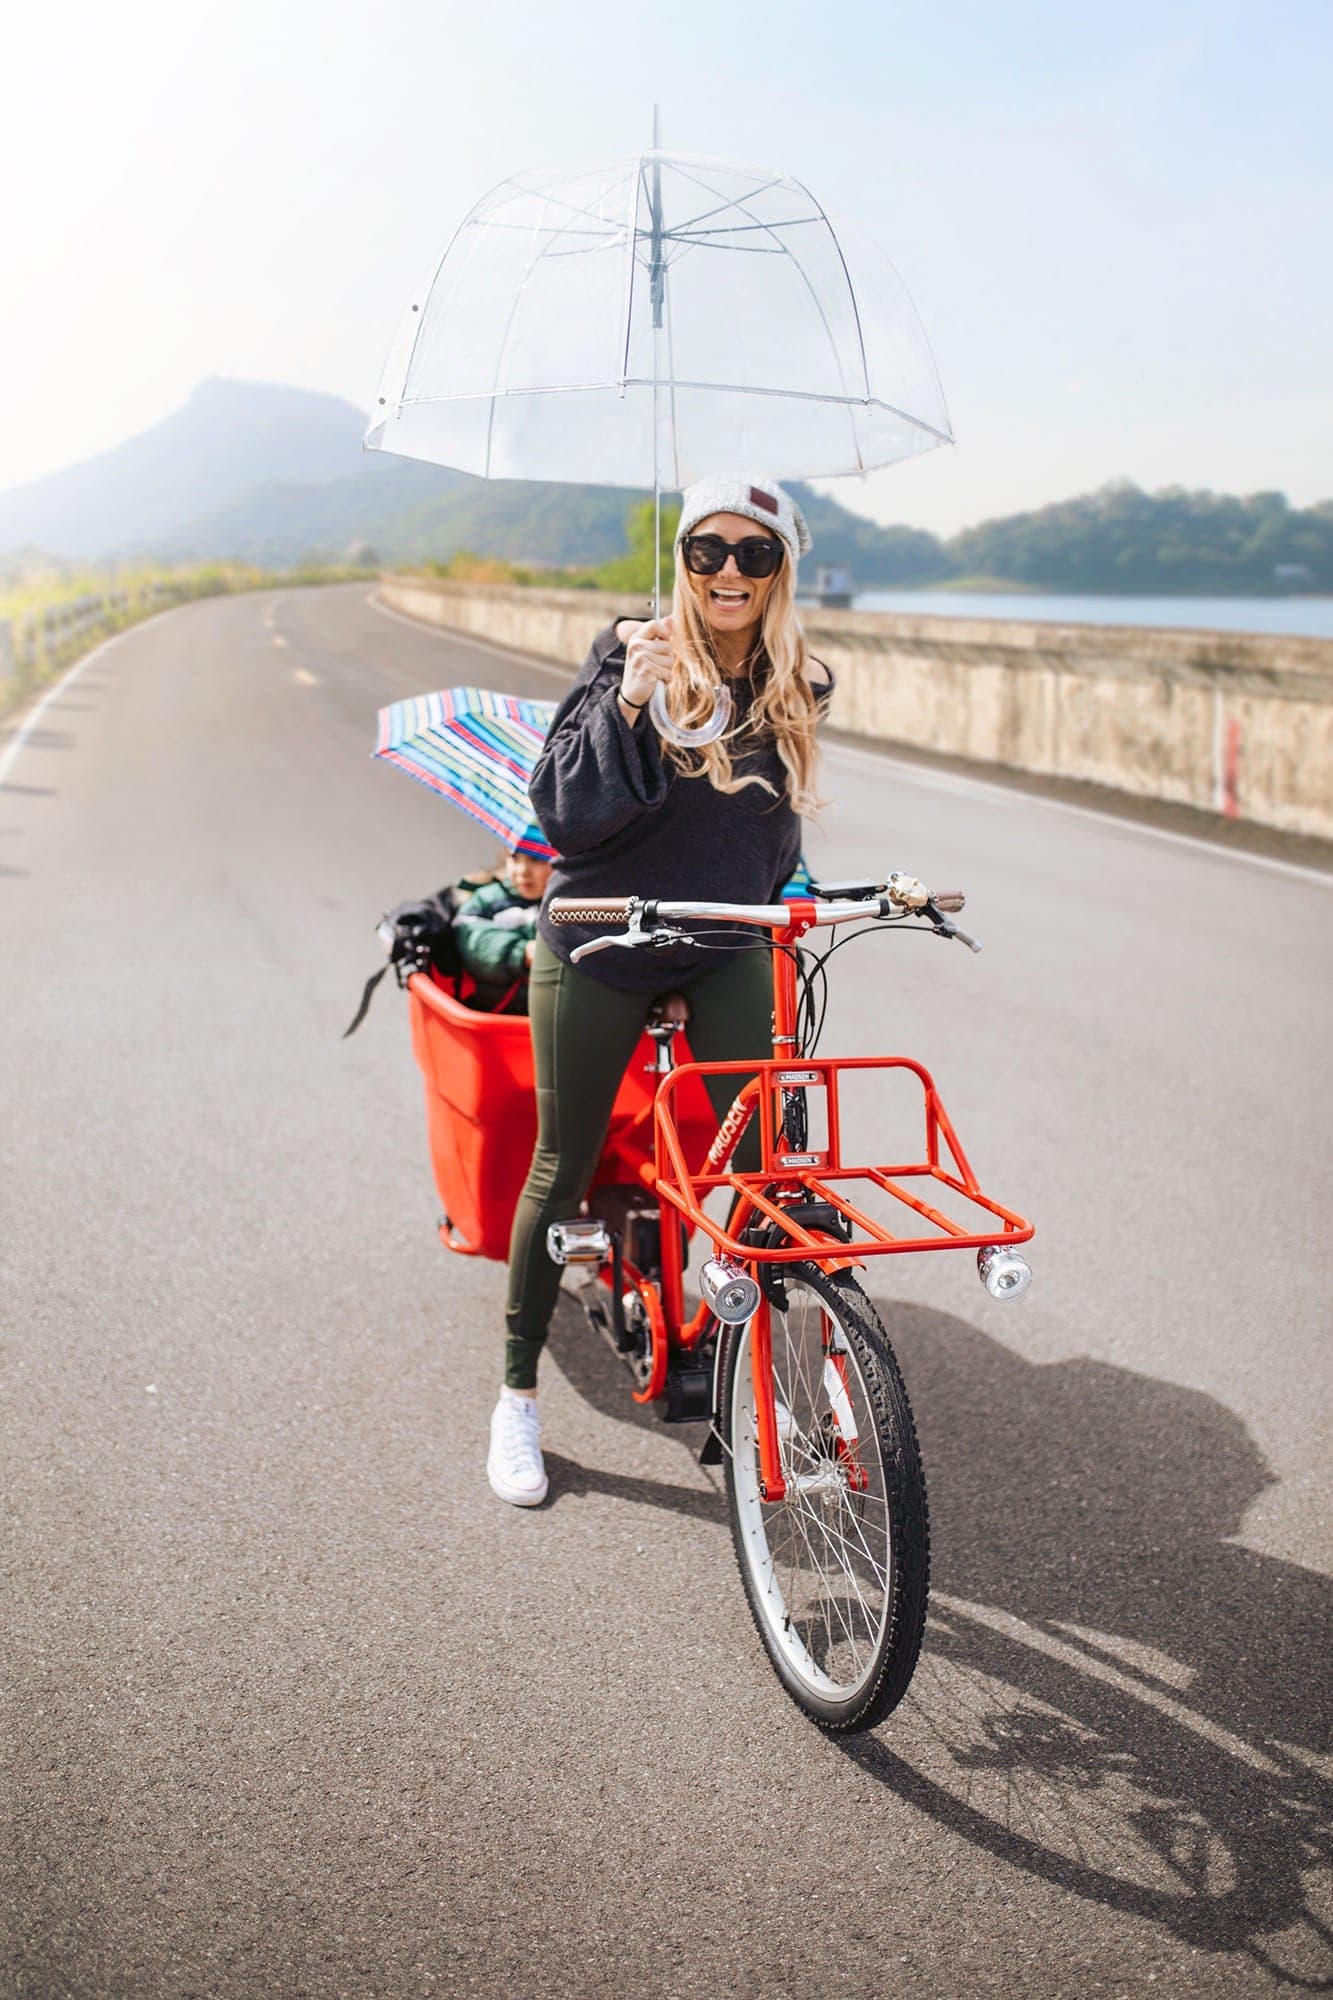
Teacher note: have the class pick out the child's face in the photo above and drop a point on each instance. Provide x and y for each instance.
(527, 876)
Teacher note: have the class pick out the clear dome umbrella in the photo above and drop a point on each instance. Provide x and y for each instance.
(645, 321)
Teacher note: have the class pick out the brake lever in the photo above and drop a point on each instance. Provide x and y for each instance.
(600, 944)
(633, 936)
(636, 934)
(941, 923)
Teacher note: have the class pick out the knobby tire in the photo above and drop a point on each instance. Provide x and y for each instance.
(845, 1669)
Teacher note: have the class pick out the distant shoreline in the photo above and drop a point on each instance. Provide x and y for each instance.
(999, 586)
(1306, 617)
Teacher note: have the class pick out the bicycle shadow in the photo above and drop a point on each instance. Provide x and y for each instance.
(571, 1480)
(590, 1367)
(1113, 1696)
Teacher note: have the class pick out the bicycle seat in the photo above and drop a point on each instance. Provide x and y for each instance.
(669, 1007)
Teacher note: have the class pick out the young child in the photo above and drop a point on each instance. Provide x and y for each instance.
(495, 930)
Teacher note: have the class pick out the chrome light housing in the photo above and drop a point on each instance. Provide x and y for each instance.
(730, 1293)
(1003, 1272)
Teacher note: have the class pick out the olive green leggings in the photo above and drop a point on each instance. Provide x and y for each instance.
(583, 1035)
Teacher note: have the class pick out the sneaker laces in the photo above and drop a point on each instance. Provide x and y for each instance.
(520, 1423)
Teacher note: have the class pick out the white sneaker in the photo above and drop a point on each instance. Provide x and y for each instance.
(514, 1464)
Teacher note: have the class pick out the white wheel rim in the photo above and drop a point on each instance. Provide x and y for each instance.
(821, 1561)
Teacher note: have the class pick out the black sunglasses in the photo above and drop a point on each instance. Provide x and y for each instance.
(757, 555)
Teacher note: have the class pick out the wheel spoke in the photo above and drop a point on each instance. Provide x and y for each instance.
(840, 1558)
(854, 1554)
(828, 1597)
(881, 1576)
(835, 1571)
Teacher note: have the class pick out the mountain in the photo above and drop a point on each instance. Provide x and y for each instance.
(271, 475)
(231, 442)
(407, 518)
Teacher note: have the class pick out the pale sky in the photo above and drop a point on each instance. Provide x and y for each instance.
(1115, 220)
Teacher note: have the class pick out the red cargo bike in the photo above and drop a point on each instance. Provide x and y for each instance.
(784, 1356)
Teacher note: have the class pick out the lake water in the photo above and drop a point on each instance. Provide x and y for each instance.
(1309, 617)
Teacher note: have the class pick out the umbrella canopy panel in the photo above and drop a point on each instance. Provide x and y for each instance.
(648, 320)
(476, 749)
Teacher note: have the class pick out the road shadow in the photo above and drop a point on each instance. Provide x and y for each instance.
(570, 1480)
(1113, 1695)
(589, 1366)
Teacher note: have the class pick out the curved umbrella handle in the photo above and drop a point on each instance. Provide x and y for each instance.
(676, 732)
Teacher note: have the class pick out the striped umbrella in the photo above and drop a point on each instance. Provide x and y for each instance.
(476, 749)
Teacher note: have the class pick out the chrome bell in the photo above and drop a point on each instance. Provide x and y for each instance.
(730, 1293)
(1003, 1272)
(582, 1240)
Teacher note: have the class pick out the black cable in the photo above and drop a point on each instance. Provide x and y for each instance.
(796, 953)
(812, 966)
(817, 1007)
(864, 930)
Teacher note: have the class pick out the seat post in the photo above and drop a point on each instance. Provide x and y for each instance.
(663, 1034)
(668, 1016)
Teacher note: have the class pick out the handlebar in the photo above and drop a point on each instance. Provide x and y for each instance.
(770, 916)
(898, 896)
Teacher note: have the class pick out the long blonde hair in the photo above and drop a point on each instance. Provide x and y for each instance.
(784, 704)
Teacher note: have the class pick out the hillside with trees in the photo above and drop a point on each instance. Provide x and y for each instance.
(271, 476)
(1171, 543)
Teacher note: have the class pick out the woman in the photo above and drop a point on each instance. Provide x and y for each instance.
(632, 815)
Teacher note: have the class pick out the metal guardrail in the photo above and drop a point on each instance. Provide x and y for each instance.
(44, 639)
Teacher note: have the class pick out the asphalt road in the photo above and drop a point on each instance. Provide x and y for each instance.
(295, 1707)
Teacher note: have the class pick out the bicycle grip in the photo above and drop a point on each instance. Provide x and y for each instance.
(589, 909)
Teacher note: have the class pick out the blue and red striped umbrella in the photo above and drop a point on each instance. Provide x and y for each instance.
(476, 749)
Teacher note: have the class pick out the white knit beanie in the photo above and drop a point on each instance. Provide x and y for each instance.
(765, 502)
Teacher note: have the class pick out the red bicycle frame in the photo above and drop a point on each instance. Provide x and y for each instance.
(786, 1178)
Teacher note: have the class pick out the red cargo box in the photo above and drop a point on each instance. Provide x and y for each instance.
(481, 1114)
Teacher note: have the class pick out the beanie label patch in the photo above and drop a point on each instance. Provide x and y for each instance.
(758, 498)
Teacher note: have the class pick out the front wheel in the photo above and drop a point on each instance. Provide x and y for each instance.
(836, 1573)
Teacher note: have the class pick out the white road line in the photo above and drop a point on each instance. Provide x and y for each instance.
(67, 679)
(927, 779)
(565, 674)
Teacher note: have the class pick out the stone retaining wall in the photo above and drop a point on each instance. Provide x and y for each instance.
(1240, 723)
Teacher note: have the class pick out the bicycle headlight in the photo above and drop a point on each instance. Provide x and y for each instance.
(729, 1292)
(1003, 1272)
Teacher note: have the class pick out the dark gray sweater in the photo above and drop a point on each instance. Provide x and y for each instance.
(625, 822)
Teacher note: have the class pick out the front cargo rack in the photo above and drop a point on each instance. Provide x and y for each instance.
(790, 1177)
